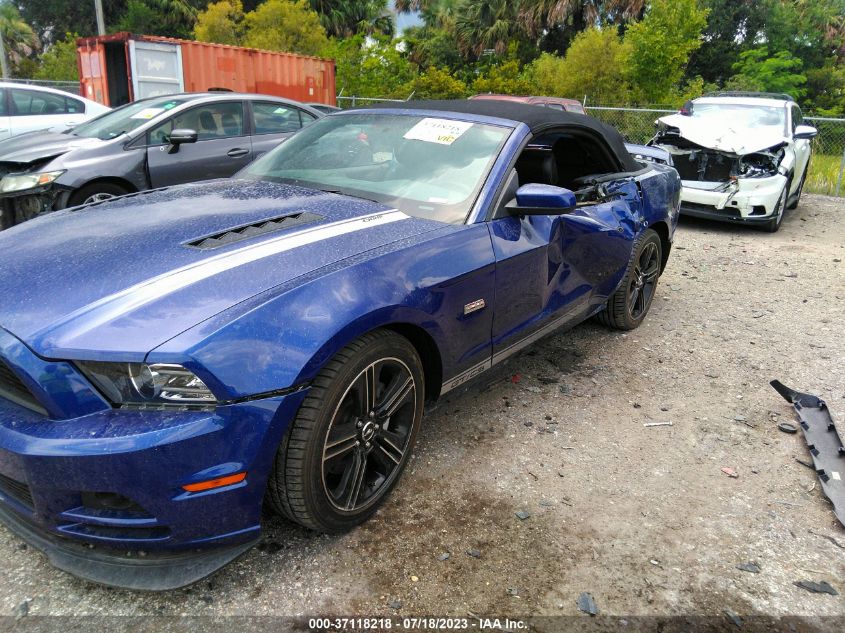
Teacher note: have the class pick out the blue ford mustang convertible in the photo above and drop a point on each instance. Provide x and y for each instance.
(172, 360)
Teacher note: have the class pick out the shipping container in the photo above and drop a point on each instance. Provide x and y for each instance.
(119, 68)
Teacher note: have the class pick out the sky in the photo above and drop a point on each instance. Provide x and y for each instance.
(404, 20)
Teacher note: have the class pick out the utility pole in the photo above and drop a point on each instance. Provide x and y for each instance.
(101, 24)
(3, 61)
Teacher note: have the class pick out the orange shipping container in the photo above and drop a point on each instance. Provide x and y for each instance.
(119, 68)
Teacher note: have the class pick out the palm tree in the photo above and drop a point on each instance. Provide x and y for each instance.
(539, 15)
(485, 24)
(438, 13)
(344, 18)
(18, 38)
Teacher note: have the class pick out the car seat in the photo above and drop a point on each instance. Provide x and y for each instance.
(537, 165)
(230, 125)
(208, 126)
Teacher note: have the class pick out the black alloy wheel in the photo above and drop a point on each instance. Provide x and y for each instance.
(353, 435)
(369, 434)
(628, 306)
(643, 281)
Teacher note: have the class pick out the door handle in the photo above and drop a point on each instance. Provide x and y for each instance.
(237, 152)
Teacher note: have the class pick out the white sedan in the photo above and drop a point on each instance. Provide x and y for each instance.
(742, 157)
(25, 108)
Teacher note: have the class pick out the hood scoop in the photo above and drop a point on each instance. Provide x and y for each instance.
(247, 231)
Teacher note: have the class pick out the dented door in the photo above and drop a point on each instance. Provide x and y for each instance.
(555, 269)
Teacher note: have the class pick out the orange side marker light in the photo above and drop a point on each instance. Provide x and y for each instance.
(228, 480)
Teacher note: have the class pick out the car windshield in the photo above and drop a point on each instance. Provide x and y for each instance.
(424, 166)
(123, 120)
(742, 115)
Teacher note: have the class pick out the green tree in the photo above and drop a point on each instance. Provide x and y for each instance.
(434, 83)
(486, 25)
(53, 18)
(276, 25)
(659, 47)
(826, 87)
(285, 25)
(732, 27)
(758, 70)
(370, 66)
(594, 66)
(505, 78)
(19, 38)
(344, 18)
(171, 18)
(58, 61)
(221, 23)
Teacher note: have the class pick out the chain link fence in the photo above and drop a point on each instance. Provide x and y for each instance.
(354, 102)
(826, 165)
(67, 86)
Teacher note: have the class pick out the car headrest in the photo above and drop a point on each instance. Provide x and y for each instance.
(537, 165)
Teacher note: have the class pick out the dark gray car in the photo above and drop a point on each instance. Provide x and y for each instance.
(150, 143)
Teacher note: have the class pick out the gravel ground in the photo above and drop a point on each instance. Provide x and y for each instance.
(643, 518)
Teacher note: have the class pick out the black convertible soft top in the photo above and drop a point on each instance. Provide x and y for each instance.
(539, 119)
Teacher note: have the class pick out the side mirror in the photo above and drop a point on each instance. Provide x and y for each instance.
(537, 199)
(805, 132)
(179, 136)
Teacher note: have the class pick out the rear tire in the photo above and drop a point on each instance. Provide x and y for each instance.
(352, 437)
(96, 192)
(628, 306)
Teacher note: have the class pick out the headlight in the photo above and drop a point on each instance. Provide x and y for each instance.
(21, 182)
(143, 384)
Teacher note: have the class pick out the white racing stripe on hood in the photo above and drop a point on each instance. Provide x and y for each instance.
(145, 292)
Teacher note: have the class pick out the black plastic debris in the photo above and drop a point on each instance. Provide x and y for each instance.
(587, 604)
(733, 617)
(816, 587)
(751, 567)
(788, 427)
(823, 442)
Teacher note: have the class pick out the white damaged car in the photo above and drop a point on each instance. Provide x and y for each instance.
(742, 157)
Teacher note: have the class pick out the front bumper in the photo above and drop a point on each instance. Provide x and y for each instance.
(20, 206)
(747, 200)
(157, 572)
(89, 488)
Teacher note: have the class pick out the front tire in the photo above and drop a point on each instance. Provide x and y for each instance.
(794, 203)
(627, 307)
(351, 439)
(96, 192)
(774, 224)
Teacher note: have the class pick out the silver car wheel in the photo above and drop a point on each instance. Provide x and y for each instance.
(98, 197)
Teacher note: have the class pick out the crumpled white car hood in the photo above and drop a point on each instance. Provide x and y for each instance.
(725, 137)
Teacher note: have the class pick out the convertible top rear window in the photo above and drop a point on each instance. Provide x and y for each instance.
(427, 167)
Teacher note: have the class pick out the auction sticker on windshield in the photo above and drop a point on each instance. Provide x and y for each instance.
(441, 131)
(147, 113)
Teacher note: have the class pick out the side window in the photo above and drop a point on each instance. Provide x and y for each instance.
(277, 118)
(4, 111)
(211, 121)
(74, 106)
(35, 103)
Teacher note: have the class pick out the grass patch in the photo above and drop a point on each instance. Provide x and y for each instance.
(824, 171)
